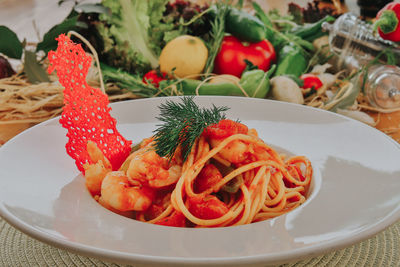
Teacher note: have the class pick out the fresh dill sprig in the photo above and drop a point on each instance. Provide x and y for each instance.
(182, 124)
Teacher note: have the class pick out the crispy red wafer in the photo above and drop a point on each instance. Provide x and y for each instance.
(86, 114)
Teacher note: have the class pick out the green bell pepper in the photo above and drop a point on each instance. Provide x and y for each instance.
(291, 60)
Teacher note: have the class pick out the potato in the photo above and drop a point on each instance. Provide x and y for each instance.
(285, 89)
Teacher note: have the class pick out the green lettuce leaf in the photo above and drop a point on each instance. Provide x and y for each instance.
(133, 34)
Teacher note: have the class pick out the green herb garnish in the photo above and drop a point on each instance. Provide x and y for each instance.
(217, 35)
(182, 124)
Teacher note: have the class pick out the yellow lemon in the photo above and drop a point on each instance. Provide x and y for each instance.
(184, 56)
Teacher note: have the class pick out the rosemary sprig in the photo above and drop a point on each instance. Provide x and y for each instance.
(217, 34)
(182, 124)
(125, 80)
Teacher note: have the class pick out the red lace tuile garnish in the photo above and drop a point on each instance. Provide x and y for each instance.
(86, 114)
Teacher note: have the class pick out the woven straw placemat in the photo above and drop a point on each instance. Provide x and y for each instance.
(18, 249)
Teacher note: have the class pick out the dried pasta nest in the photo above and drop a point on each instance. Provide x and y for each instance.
(386, 120)
(23, 102)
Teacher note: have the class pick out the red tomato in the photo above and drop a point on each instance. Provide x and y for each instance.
(225, 128)
(311, 81)
(208, 177)
(208, 207)
(231, 58)
(176, 219)
(153, 211)
(154, 78)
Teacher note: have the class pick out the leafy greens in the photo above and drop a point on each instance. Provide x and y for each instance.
(134, 33)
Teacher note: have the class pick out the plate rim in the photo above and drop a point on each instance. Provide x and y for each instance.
(271, 258)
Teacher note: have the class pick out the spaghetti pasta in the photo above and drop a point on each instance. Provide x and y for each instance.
(230, 177)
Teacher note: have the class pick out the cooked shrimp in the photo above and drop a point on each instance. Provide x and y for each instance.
(97, 155)
(95, 172)
(235, 152)
(148, 167)
(207, 178)
(117, 192)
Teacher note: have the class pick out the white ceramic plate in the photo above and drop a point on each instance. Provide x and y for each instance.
(355, 193)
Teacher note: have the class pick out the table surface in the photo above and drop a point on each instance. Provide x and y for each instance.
(30, 19)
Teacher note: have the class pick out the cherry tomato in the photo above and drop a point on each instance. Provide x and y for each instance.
(231, 58)
(153, 211)
(208, 177)
(154, 77)
(311, 81)
(225, 128)
(207, 207)
(176, 219)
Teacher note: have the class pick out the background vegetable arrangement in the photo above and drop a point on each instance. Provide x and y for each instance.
(158, 48)
(220, 39)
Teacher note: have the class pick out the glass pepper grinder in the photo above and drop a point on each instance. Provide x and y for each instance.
(353, 41)
(382, 86)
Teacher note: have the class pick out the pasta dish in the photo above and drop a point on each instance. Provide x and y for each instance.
(227, 177)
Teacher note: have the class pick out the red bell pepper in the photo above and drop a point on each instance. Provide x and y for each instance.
(387, 22)
(232, 57)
